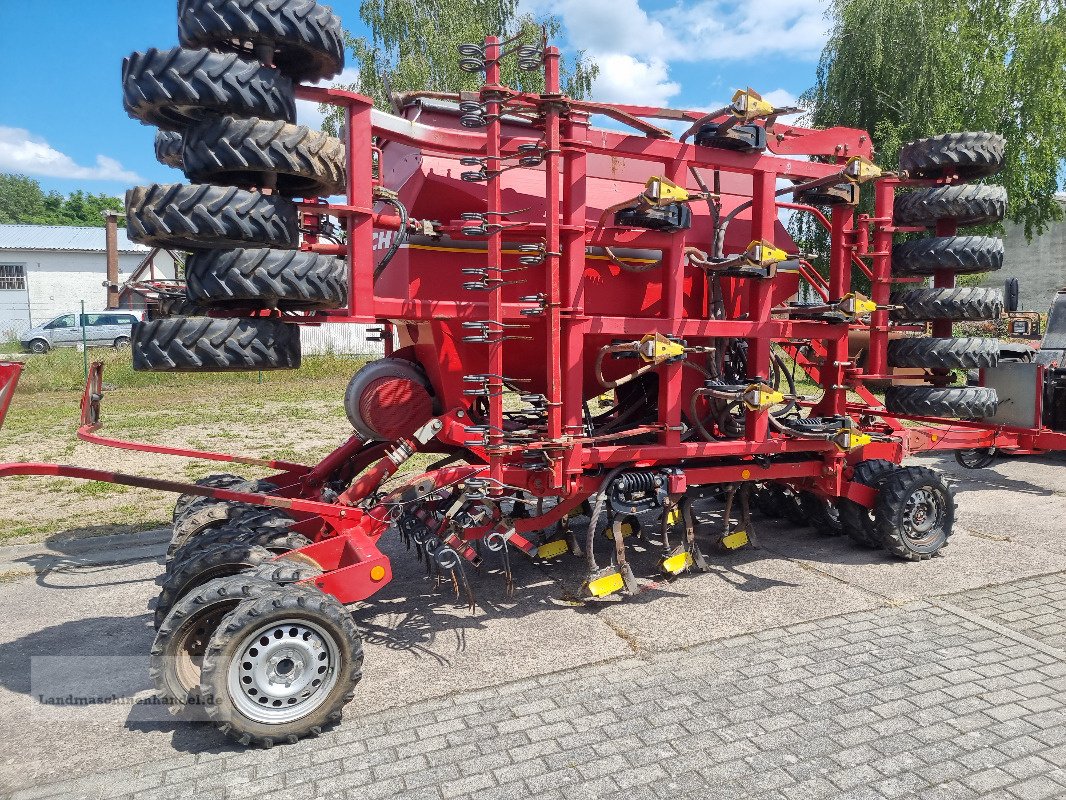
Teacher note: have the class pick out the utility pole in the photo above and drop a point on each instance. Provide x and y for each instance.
(111, 238)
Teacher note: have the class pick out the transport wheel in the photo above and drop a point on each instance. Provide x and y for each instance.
(914, 514)
(857, 520)
(281, 667)
(967, 353)
(277, 538)
(202, 344)
(968, 155)
(963, 255)
(973, 303)
(222, 514)
(953, 402)
(182, 638)
(39, 346)
(232, 151)
(285, 279)
(222, 480)
(172, 89)
(220, 561)
(967, 204)
(190, 217)
(121, 343)
(307, 38)
(168, 148)
(822, 514)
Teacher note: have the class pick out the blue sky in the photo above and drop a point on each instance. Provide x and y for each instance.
(61, 117)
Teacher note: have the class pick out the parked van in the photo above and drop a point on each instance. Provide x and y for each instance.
(101, 328)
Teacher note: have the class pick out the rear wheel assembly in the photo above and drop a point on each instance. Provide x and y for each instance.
(966, 204)
(225, 480)
(197, 216)
(856, 520)
(963, 255)
(969, 156)
(285, 279)
(203, 344)
(962, 402)
(257, 152)
(172, 89)
(277, 539)
(221, 514)
(971, 304)
(915, 513)
(306, 39)
(968, 353)
(281, 667)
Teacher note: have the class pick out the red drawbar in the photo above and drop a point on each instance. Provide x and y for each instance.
(395, 407)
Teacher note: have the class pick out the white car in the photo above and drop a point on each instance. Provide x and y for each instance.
(101, 328)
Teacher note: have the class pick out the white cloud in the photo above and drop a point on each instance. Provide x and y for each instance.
(27, 154)
(308, 113)
(625, 79)
(715, 30)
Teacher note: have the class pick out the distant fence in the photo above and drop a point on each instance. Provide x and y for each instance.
(339, 338)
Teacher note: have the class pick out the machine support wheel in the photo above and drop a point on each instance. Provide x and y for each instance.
(968, 353)
(218, 562)
(968, 155)
(172, 89)
(966, 204)
(822, 514)
(275, 538)
(222, 514)
(306, 37)
(970, 304)
(223, 480)
(233, 151)
(168, 148)
(285, 279)
(963, 255)
(915, 513)
(182, 638)
(857, 520)
(952, 402)
(197, 216)
(206, 344)
(281, 667)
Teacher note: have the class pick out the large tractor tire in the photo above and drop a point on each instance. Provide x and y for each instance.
(971, 304)
(915, 513)
(968, 353)
(963, 255)
(281, 667)
(168, 146)
(967, 155)
(285, 279)
(952, 402)
(857, 520)
(221, 561)
(307, 38)
(192, 217)
(202, 344)
(964, 203)
(173, 89)
(232, 151)
(181, 640)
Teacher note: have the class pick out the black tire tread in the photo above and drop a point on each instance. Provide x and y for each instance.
(952, 402)
(203, 344)
(968, 204)
(287, 279)
(235, 151)
(857, 520)
(195, 216)
(223, 480)
(964, 303)
(307, 36)
(895, 488)
(963, 255)
(970, 352)
(970, 155)
(168, 146)
(277, 540)
(173, 88)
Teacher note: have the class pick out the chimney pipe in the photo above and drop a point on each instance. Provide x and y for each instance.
(111, 228)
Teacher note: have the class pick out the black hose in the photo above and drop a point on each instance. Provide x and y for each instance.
(401, 235)
(594, 519)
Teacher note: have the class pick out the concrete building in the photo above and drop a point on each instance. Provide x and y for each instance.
(1039, 265)
(48, 270)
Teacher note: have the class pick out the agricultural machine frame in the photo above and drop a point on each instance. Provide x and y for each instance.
(563, 461)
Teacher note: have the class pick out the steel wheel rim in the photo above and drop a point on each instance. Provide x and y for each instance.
(192, 644)
(922, 514)
(283, 671)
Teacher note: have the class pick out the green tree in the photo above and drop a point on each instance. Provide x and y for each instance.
(22, 201)
(412, 47)
(904, 69)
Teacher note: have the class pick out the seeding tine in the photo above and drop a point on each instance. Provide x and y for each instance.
(745, 514)
(508, 576)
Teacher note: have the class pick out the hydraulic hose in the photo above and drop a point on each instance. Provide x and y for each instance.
(387, 196)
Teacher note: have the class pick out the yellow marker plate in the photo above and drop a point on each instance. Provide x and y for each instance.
(735, 540)
(553, 549)
(675, 565)
(608, 584)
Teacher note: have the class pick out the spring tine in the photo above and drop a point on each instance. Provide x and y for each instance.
(472, 64)
(507, 569)
(472, 50)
